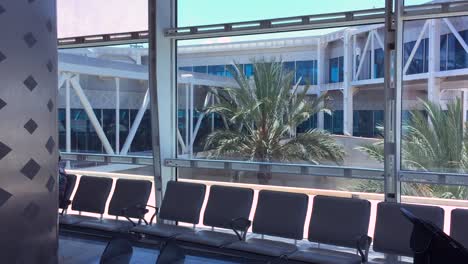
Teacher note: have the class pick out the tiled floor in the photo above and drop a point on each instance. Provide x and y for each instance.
(74, 250)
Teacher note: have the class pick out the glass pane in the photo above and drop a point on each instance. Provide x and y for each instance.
(215, 12)
(434, 114)
(95, 75)
(90, 17)
(224, 118)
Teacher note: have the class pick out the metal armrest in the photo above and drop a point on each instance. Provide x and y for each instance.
(362, 245)
(240, 226)
(141, 209)
(156, 211)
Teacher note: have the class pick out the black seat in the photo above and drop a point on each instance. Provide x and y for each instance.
(91, 197)
(228, 208)
(340, 222)
(182, 202)
(459, 226)
(71, 182)
(128, 201)
(393, 231)
(279, 214)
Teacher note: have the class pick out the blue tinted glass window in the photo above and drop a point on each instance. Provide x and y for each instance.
(200, 69)
(189, 69)
(378, 122)
(379, 63)
(363, 123)
(216, 70)
(443, 52)
(335, 70)
(307, 70)
(307, 125)
(419, 63)
(248, 70)
(456, 56)
(228, 69)
(290, 67)
(328, 122)
(338, 122)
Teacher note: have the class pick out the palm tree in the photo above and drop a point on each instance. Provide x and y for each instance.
(261, 116)
(433, 140)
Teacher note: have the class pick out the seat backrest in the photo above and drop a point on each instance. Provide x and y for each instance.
(127, 195)
(182, 202)
(227, 203)
(393, 231)
(459, 226)
(92, 194)
(339, 221)
(280, 214)
(71, 182)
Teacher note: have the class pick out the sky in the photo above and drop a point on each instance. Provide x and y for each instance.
(89, 17)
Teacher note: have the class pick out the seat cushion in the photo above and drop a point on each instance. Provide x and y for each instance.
(162, 230)
(325, 256)
(209, 238)
(110, 225)
(264, 247)
(75, 219)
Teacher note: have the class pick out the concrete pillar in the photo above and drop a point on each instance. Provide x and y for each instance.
(28, 138)
(348, 90)
(433, 83)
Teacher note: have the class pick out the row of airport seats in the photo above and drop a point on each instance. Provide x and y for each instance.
(341, 222)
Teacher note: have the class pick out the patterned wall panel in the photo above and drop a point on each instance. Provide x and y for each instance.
(28, 132)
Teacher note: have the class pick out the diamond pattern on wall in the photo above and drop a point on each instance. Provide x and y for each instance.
(2, 56)
(50, 66)
(30, 40)
(30, 126)
(50, 184)
(28, 77)
(31, 211)
(50, 105)
(50, 145)
(2, 103)
(30, 83)
(4, 150)
(31, 169)
(49, 26)
(4, 196)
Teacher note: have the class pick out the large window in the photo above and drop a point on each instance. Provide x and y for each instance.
(433, 126)
(242, 94)
(103, 103)
(335, 72)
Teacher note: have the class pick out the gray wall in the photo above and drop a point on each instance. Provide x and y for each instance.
(28, 132)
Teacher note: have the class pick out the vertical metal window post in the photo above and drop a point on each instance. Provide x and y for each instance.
(162, 87)
(392, 97)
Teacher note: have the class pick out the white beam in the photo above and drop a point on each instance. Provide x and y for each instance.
(348, 90)
(456, 34)
(363, 54)
(67, 116)
(379, 40)
(102, 71)
(117, 115)
(92, 117)
(136, 124)
(433, 83)
(416, 46)
(63, 77)
(181, 142)
(320, 79)
(372, 56)
(200, 119)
